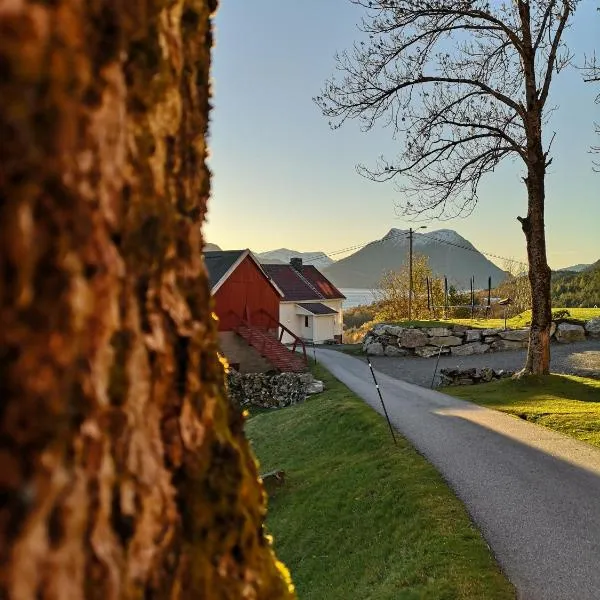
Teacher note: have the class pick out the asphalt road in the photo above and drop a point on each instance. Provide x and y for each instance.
(534, 493)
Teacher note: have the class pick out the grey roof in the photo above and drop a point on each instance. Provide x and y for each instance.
(218, 263)
(316, 308)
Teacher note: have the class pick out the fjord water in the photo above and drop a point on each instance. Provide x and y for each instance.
(357, 296)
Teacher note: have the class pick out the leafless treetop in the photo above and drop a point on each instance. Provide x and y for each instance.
(462, 83)
(592, 75)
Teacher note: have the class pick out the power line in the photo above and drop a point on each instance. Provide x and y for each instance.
(405, 234)
(447, 242)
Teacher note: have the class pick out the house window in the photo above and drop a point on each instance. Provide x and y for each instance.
(305, 321)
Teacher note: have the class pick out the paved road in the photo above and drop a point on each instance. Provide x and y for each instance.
(534, 493)
(581, 358)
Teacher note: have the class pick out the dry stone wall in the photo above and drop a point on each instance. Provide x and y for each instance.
(271, 391)
(458, 340)
(453, 377)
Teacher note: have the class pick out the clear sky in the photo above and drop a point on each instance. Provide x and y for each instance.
(282, 178)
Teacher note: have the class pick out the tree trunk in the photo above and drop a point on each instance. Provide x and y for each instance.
(538, 354)
(124, 471)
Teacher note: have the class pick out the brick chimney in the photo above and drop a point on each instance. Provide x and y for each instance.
(296, 264)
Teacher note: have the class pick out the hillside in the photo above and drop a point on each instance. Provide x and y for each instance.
(577, 289)
(575, 268)
(283, 256)
(449, 254)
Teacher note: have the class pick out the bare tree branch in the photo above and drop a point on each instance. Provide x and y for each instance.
(438, 70)
(552, 58)
(462, 84)
(591, 71)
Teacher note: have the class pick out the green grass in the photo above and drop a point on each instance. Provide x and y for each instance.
(564, 403)
(351, 349)
(360, 518)
(577, 315)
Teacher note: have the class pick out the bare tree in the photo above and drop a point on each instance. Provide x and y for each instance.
(591, 72)
(124, 469)
(464, 84)
(516, 287)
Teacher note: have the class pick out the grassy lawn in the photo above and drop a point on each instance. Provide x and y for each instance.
(521, 320)
(358, 517)
(565, 403)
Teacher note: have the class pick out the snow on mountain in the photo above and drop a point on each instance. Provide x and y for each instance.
(283, 255)
(211, 248)
(421, 237)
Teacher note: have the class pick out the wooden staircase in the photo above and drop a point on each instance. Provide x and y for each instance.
(271, 348)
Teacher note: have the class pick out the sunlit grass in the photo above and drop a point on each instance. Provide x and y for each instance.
(521, 320)
(564, 403)
(359, 518)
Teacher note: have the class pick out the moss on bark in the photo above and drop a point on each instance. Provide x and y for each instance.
(124, 471)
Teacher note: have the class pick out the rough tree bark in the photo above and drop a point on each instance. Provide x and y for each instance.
(124, 471)
(538, 352)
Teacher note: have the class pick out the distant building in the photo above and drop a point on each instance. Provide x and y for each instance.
(311, 306)
(247, 304)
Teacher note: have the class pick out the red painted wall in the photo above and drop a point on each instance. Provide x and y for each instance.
(246, 286)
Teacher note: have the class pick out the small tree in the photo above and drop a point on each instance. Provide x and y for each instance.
(516, 287)
(394, 290)
(464, 84)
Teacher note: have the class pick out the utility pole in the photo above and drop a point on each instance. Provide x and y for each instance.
(410, 269)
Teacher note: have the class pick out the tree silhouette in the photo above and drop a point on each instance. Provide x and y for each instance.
(463, 84)
(592, 75)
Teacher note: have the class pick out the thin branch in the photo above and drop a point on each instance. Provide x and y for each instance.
(553, 51)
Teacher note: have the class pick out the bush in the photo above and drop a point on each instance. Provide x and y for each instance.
(359, 315)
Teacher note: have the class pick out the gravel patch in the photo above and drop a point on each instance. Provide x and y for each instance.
(581, 358)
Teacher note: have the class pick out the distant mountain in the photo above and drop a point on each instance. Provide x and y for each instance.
(211, 248)
(575, 268)
(283, 255)
(573, 289)
(449, 254)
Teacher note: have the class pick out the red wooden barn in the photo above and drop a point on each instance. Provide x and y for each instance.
(247, 305)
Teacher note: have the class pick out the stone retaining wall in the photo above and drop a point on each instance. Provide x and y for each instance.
(271, 391)
(459, 340)
(453, 377)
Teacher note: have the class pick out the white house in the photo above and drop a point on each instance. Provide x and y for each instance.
(311, 306)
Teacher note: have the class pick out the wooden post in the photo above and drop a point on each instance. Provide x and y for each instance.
(489, 302)
(410, 272)
(445, 297)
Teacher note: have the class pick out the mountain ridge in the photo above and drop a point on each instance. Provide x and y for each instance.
(283, 256)
(576, 268)
(449, 254)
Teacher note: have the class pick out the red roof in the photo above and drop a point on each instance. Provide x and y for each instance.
(310, 284)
